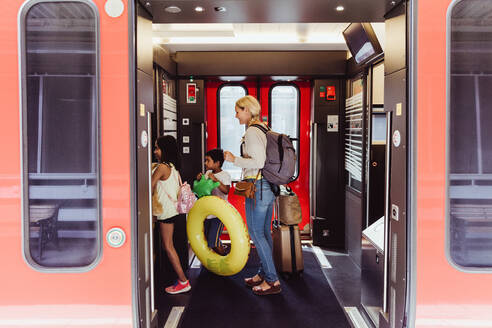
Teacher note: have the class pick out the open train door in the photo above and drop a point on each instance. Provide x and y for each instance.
(396, 211)
(69, 207)
(384, 253)
(452, 165)
(143, 78)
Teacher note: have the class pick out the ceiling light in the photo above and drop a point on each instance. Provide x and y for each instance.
(199, 9)
(173, 9)
(340, 8)
(232, 78)
(284, 78)
(220, 9)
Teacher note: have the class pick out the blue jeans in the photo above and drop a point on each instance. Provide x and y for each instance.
(259, 219)
(213, 229)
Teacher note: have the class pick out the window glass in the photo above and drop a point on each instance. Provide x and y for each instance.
(378, 129)
(285, 114)
(356, 87)
(61, 137)
(230, 130)
(469, 134)
(378, 84)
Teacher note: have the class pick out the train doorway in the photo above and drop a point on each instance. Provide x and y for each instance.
(352, 151)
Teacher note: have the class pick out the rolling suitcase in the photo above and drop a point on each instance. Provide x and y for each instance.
(287, 250)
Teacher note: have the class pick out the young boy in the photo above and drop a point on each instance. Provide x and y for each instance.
(213, 226)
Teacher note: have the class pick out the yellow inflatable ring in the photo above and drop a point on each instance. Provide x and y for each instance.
(233, 262)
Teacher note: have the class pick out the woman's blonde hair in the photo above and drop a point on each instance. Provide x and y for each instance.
(250, 103)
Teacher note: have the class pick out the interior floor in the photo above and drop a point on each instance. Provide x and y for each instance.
(321, 294)
(344, 276)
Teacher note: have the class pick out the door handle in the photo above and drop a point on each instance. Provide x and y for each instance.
(203, 147)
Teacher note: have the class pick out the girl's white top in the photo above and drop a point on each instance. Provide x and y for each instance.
(167, 193)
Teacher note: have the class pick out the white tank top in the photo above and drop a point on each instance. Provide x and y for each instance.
(167, 193)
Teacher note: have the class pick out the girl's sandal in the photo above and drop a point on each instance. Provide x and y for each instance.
(250, 282)
(269, 291)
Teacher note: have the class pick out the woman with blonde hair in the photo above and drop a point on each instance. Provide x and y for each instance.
(258, 210)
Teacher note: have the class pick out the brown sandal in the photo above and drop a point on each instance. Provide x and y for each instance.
(269, 291)
(251, 283)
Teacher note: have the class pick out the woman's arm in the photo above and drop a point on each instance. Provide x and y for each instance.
(229, 157)
(161, 173)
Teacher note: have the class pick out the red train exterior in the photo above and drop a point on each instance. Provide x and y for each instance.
(438, 293)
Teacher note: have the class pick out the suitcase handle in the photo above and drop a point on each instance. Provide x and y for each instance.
(276, 222)
(293, 249)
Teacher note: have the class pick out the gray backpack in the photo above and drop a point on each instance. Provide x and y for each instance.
(280, 163)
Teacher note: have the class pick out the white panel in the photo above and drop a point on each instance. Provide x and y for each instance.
(169, 103)
(353, 136)
(170, 125)
(77, 214)
(62, 192)
(170, 115)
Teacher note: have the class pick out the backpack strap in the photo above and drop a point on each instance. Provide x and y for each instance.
(175, 202)
(279, 143)
(280, 151)
(261, 127)
(179, 177)
(264, 130)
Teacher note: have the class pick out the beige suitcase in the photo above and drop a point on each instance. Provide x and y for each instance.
(287, 250)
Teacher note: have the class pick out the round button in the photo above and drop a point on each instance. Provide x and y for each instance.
(115, 237)
(114, 8)
(396, 138)
(144, 139)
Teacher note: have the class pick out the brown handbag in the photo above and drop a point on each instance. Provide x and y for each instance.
(289, 209)
(246, 188)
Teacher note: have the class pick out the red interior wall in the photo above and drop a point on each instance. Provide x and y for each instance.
(211, 89)
(301, 185)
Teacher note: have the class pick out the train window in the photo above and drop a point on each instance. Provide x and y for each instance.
(469, 137)
(284, 114)
(230, 132)
(60, 124)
